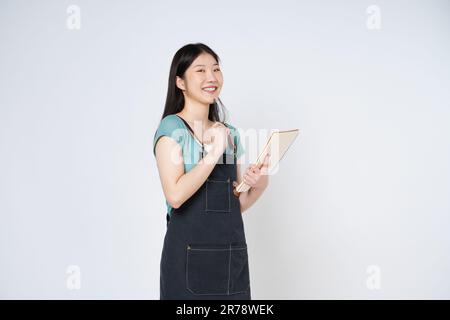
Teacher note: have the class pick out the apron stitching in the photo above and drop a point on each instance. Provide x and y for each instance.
(187, 269)
(196, 249)
(229, 193)
(229, 271)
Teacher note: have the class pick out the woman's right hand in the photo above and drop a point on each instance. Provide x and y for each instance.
(219, 136)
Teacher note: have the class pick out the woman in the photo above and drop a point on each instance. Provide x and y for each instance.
(205, 250)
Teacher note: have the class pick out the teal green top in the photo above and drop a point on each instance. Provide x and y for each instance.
(175, 128)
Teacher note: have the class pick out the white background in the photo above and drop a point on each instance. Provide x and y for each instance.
(366, 183)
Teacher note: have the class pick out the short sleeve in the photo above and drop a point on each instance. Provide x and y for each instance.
(240, 150)
(169, 126)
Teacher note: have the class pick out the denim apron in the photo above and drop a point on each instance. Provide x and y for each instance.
(205, 251)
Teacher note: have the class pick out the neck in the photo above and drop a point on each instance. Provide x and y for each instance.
(195, 112)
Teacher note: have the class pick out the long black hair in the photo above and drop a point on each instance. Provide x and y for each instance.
(182, 59)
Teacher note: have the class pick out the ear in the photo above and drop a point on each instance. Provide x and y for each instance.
(180, 83)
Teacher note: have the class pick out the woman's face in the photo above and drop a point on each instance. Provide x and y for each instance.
(203, 79)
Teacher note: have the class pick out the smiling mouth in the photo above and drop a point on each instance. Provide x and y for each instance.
(210, 89)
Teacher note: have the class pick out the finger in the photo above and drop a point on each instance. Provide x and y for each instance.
(265, 166)
(253, 168)
(249, 181)
(250, 178)
(252, 175)
(264, 170)
(218, 124)
(266, 161)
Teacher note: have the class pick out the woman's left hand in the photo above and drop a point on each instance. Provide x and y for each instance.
(257, 177)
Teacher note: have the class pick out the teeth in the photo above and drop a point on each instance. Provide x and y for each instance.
(210, 89)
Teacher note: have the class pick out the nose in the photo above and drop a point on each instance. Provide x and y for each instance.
(210, 77)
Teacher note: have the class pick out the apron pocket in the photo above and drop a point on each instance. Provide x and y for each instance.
(207, 270)
(217, 270)
(218, 195)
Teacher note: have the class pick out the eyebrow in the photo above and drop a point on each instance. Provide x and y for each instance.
(202, 65)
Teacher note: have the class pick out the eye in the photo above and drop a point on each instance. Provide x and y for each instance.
(217, 69)
(201, 70)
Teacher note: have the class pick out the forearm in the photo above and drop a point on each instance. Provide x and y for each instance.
(191, 181)
(247, 199)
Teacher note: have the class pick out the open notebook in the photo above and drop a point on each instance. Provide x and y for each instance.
(277, 145)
